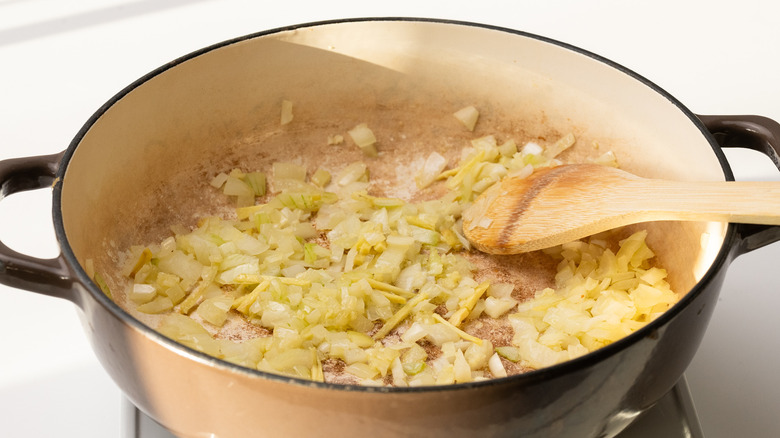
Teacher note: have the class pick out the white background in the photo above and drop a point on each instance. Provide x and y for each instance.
(60, 60)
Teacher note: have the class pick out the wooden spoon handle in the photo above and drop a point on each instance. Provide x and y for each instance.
(733, 201)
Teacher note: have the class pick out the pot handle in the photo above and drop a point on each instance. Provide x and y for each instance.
(761, 134)
(50, 277)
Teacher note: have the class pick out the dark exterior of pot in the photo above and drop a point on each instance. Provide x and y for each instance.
(198, 396)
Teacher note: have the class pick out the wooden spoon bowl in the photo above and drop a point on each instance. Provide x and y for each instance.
(560, 204)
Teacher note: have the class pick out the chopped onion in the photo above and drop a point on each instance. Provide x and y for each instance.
(219, 180)
(334, 272)
(352, 173)
(364, 137)
(468, 116)
(496, 307)
(496, 367)
(510, 353)
(214, 310)
(158, 305)
(500, 290)
(434, 165)
(461, 368)
(243, 192)
(607, 159)
(561, 145)
(532, 148)
(256, 180)
(598, 299)
(321, 178)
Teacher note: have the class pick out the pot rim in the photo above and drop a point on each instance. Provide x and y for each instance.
(585, 361)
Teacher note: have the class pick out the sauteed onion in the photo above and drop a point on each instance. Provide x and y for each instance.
(331, 283)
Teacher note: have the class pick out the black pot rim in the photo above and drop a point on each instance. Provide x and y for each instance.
(528, 378)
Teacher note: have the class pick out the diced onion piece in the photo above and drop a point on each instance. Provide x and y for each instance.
(167, 246)
(561, 145)
(500, 290)
(218, 180)
(362, 371)
(488, 144)
(532, 148)
(364, 137)
(244, 194)
(208, 275)
(215, 310)
(607, 159)
(468, 116)
(287, 170)
(256, 180)
(523, 172)
(496, 367)
(509, 353)
(321, 178)
(508, 148)
(352, 173)
(287, 112)
(237, 187)
(440, 334)
(478, 355)
(144, 258)
(362, 340)
(461, 368)
(142, 293)
(184, 266)
(496, 307)
(158, 305)
(175, 293)
(413, 368)
(414, 333)
(434, 165)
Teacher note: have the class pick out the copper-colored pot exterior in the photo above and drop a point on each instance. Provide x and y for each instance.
(197, 396)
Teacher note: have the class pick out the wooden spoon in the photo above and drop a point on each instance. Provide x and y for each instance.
(565, 203)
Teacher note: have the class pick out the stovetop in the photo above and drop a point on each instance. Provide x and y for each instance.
(674, 416)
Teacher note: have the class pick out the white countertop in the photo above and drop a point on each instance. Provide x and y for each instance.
(60, 60)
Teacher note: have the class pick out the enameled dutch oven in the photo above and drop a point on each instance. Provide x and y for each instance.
(142, 163)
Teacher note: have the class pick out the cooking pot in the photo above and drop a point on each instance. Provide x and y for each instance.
(143, 162)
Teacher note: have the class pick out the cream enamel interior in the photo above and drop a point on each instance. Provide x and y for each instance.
(146, 162)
